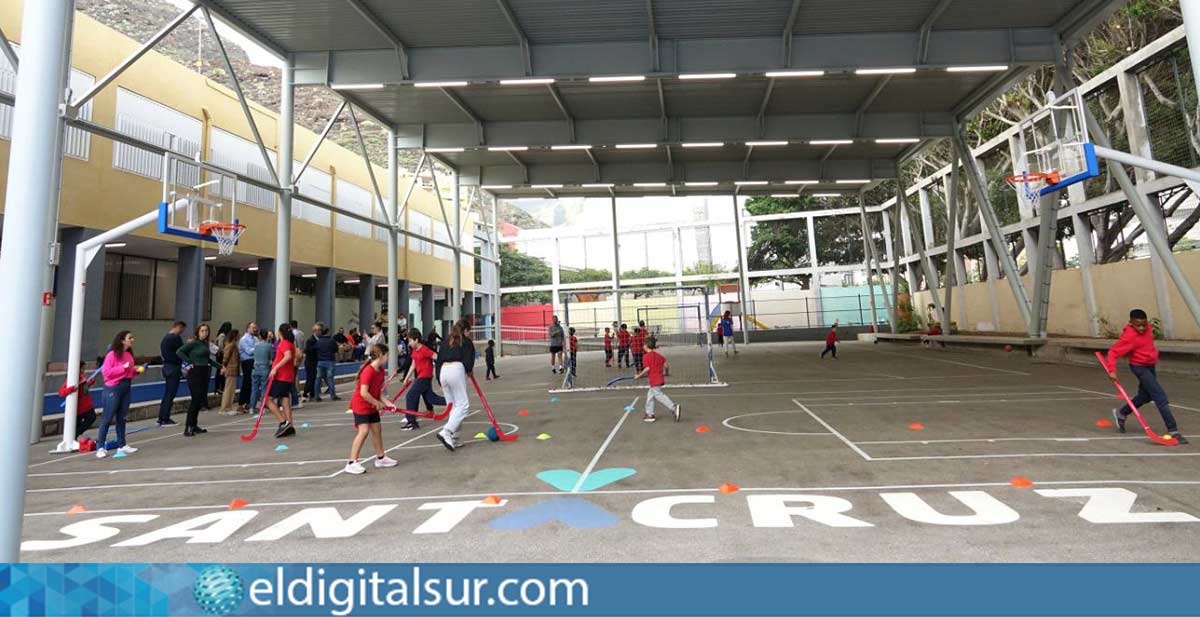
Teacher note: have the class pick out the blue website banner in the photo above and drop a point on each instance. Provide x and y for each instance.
(593, 589)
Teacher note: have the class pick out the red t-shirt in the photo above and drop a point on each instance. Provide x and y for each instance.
(831, 338)
(574, 344)
(608, 342)
(287, 372)
(623, 338)
(372, 378)
(639, 340)
(655, 362)
(423, 359)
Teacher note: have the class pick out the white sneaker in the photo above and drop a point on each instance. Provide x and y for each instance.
(386, 461)
(101, 453)
(447, 440)
(355, 468)
(649, 418)
(227, 412)
(127, 449)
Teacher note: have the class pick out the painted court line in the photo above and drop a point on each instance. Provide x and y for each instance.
(993, 401)
(1113, 396)
(979, 366)
(1037, 455)
(604, 446)
(849, 443)
(996, 440)
(620, 492)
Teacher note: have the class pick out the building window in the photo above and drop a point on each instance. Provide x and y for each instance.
(138, 288)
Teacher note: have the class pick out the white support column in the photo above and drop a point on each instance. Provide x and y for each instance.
(616, 273)
(677, 244)
(393, 256)
(810, 226)
(497, 310)
(283, 215)
(868, 259)
(556, 278)
(456, 301)
(906, 236)
(993, 273)
(954, 264)
(1087, 257)
(45, 31)
(1137, 130)
(976, 181)
(743, 279)
(931, 273)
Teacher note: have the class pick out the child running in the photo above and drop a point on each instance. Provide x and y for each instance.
(366, 404)
(420, 373)
(1137, 342)
(85, 414)
(656, 368)
(490, 357)
(456, 359)
(283, 372)
(608, 350)
(831, 342)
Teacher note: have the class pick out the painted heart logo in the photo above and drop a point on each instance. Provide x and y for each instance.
(573, 512)
(566, 479)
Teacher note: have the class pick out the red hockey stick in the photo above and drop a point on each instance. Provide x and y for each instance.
(488, 409)
(420, 414)
(1155, 437)
(261, 407)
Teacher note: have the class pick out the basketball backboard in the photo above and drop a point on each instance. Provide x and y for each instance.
(194, 199)
(1054, 149)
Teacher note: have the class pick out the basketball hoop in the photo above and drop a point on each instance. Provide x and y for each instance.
(226, 235)
(1029, 182)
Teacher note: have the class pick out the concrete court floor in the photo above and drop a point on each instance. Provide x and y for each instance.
(827, 464)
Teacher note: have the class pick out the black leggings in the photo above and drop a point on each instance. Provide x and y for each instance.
(198, 387)
(830, 348)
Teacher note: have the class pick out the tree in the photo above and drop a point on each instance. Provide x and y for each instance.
(644, 273)
(585, 275)
(521, 270)
(782, 245)
(706, 268)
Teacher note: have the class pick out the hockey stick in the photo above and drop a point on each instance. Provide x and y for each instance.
(420, 414)
(261, 407)
(618, 380)
(488, 409)
(1155, 437)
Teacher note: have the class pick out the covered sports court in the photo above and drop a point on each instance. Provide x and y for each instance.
(893, 452)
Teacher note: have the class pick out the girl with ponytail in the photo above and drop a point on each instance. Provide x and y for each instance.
(366, 404)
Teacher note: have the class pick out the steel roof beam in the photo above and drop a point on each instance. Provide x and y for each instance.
(373, 20)
(522, 40)
(562, 106)
(242, 28)
(652, 34)
(575, 61)
(726, 172)
(927, 29)
(868, 101)
(729, 129)
(788, 29)
(466, 109)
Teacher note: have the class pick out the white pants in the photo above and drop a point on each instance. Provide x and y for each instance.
(656, 393)
(454, 388)
(730, 343)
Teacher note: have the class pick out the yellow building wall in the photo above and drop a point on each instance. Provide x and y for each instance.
(96, 195)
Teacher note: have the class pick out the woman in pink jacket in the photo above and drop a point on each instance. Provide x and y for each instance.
(118, 369)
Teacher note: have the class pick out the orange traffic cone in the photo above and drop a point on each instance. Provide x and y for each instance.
(916, 426)
(238, 504)
(702, 429)
(728, 488)
(1021, 482)
(492, 500)
(77, 509)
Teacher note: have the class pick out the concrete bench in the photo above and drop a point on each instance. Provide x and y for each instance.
(1178, 357)
(912, 337)
(967, 341)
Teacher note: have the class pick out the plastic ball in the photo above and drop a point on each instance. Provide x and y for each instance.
(219, 590)
(492, 435)
(1008, 348)
(141, 369)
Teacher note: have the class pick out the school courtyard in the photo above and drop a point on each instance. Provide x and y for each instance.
(824, 455)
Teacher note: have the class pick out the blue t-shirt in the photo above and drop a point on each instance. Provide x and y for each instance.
(727, 326)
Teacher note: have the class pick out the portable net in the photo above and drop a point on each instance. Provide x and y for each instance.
(678, 318)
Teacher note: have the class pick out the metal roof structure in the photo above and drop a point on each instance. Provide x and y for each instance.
(761, 92)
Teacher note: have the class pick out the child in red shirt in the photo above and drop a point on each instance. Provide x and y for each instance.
(656, 368)
(639, 346)
(366, 403)
(1137, 342)
(831, 342)
(86, 412)
(608, 350)
(282, 377)
(623, 342)
(573, 347)
(421, 374)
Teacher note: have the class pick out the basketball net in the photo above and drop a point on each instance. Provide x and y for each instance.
(226, 235)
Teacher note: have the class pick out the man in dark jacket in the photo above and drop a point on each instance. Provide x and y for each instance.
(327, 350)
(310, 362)
(172, 371)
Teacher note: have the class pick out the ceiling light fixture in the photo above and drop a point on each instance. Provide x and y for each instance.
(439, 84)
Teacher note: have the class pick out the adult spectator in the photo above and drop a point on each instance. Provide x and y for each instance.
(310, 362)
(343, 345)
(327, 350)
(197, 354)
(218, 356)
(299, 361)
(246, 355)
(556, 345)
(172, 370)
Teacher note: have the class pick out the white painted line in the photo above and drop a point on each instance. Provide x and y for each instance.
(183, 483)
(60, 458)
(728, 423)
(992, 440)
(1114, 396)
(993, 401)
(620, 492)
(1034, 455)
(857, 449)
(927, 393)
(979, 366)
(604, 446)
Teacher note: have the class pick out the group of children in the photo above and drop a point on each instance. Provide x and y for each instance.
(630, 347)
